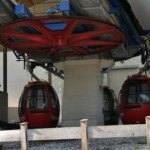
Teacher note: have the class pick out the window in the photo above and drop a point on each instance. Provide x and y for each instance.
(106, 101)
(131, 92)
(119, 97)
(22, 101)
(144, 94)
(41, 98)
(137, 92)
(29, 96)
(53, 98)
(37, 98)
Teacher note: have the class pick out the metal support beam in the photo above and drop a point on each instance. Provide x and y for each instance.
(50, 77)
(5, 69)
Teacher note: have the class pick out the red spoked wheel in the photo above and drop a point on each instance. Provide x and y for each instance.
(32, 36)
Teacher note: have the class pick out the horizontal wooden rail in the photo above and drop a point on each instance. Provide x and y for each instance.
(11, 135)
(54, 134)
(75, 133)
(117, 131)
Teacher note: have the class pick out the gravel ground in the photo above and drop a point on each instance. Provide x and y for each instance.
(94, 144)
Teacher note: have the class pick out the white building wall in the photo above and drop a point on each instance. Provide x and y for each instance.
(116, 78)
(17, 78)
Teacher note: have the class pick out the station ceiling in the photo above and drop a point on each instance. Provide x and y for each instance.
(91, 8)
(29, 3)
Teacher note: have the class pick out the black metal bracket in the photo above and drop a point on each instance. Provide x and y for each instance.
(47, 66)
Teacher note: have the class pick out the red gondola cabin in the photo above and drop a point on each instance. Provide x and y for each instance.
(39, 105)
(135, 100)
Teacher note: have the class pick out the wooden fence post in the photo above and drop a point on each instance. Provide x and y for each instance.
(148, 131)
(84, 134)
(24, 140)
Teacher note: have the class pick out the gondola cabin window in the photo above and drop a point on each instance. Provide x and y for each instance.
(22, 101)
(106, 102)
(41, 97)
(53, 98)
(37, 98)
(144, 94)
(137, 92)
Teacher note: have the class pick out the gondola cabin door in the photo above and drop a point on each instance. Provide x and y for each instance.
(41, 106)
(135, 100)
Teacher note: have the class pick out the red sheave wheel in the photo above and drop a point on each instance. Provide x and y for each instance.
(29, 35)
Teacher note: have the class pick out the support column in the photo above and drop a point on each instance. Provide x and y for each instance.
(4, 95)
(83, 93)
(5, 69)
(3, 106)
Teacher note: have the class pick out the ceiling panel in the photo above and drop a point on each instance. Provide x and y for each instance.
(29, 3)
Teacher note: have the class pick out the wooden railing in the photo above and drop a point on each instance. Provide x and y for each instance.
(84, 133)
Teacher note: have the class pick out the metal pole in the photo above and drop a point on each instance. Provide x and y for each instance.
(49, 77)
(5, 69)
